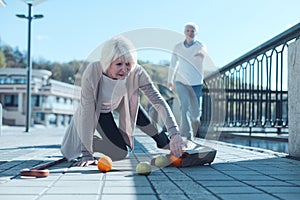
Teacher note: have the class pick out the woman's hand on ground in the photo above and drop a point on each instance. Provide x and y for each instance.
(176, 145)
(86, 161)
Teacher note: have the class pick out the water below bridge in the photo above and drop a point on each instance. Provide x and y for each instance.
(276, 143)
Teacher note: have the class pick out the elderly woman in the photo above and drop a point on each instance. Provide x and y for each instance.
(113, 85)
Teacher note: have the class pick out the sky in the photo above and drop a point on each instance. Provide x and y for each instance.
(72, 30)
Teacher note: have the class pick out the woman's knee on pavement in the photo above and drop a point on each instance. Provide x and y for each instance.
(115, 152)
(119, 154)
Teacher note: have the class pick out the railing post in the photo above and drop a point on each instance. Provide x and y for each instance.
(293, 100)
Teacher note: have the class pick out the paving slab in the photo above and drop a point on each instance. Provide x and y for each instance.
(238, 172)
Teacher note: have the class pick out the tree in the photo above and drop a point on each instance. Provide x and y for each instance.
(2, 60)
(42, 64)
(70, 72)
(19, 58)
(56, 71)
(9, 56)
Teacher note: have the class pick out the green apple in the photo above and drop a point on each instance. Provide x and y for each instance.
(143, 168)
(161, 161)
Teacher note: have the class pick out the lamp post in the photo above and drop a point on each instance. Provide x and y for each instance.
(29, 63)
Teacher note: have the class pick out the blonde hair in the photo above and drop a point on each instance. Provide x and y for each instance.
(192, 24)
(116, 47)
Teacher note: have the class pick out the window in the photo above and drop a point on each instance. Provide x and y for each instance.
(35, 100)
(11, 100)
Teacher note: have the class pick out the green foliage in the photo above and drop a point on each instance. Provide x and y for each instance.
(159, 76)
(158, 73)
(14, 58)
(69, 72)
(2, 60)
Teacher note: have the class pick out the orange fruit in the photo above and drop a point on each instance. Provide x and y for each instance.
(104, 164)
(175, 160)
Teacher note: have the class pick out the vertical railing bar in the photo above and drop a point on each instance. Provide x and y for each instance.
(239, 97)
(258, 93)
(270, 90)
(281, 86)
(276, 90)
(213, 98)
(265, 97)
(261, 92)
(249, 97)
(227, 93)
(252, 96)
(231, 98)
(244, 97)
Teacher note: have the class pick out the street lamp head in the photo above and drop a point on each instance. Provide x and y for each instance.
(28, 1)
(33, 17)
(38, 16)
(21, 16)
(33, 2)
(2, 3)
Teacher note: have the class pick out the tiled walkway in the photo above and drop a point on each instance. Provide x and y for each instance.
(238, 172)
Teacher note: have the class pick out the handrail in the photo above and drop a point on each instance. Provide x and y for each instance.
(251, 91)
(282, 38)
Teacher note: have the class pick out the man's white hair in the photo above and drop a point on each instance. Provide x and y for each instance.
(192, 24)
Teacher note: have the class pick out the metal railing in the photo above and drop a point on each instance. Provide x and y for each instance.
(252, 90)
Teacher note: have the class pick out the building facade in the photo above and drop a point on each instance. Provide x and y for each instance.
(52, 102)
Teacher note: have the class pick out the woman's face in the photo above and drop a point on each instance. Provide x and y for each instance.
(119, 69)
